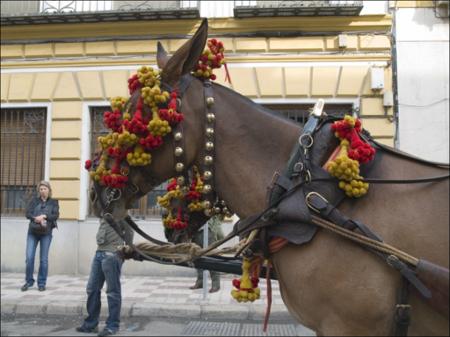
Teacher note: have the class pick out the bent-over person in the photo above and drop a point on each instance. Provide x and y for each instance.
(215, 233)
(106, 266)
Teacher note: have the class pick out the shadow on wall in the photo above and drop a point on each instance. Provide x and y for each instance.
(430, 17)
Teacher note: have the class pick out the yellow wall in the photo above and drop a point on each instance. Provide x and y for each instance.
(412, 3)
(68, 90)
(292, 48)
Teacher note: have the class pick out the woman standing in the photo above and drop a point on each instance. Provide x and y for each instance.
(42, 211)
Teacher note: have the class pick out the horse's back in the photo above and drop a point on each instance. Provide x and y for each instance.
(359, 289)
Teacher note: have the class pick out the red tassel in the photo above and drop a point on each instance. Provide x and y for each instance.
(227, 74)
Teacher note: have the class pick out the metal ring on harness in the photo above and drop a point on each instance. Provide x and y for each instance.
(113, 194)
(309, 143)
(298, 167)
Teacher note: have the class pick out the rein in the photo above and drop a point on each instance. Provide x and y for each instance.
(298, 164)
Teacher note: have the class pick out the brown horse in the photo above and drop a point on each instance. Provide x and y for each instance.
(330, 285)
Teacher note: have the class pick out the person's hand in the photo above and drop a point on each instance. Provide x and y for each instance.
(39, 218)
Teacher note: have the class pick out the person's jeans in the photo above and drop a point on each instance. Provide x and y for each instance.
(32, 242)
(106, 266)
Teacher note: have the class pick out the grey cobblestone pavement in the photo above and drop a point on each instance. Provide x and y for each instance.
(148, 305)
(141, 296)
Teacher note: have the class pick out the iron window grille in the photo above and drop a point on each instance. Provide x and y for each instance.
(23, 138)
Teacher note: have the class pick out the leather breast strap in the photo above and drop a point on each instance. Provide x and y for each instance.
(329, 212)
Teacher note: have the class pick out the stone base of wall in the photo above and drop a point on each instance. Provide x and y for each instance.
(73, 247)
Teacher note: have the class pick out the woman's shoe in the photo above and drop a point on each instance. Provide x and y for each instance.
(41, 288)
(25, 287)
(87, 330)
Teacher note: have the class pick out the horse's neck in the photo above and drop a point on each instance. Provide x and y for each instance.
(251, 145)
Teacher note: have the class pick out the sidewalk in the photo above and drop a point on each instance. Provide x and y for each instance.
(142, 296)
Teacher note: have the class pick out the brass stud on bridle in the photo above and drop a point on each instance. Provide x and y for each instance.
(179, 167)
(207, 175)
(178, 136)
(209, 132)
(178, 151)
(208, 160)
(180, 180)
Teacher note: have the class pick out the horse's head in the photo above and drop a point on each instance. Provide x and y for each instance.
(175, 75)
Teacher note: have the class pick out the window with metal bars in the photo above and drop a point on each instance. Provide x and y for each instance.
(300, 112)
(147, 206)
(23, 135)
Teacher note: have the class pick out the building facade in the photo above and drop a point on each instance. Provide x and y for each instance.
(421, 31)
(60, 65)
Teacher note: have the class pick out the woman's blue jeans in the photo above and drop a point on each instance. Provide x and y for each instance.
(106, 266)
(32, 242)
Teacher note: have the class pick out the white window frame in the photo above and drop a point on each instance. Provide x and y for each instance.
(86, 153)
(48, 130)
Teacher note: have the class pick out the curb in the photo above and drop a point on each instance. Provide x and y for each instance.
(133, 309)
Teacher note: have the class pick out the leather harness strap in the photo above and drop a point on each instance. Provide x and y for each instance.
(402, 315)
(327, 211)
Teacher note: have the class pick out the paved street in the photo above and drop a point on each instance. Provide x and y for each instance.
(151, 306)
(39, 325)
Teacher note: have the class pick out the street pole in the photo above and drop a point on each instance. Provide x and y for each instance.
(205, 272)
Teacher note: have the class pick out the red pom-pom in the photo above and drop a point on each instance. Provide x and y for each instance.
(88, 164)
(133, 83)
(172, 185)
(151, 142)
(193, 195)
(359, 150)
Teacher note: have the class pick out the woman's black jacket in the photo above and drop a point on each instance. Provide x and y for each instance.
(37, 207)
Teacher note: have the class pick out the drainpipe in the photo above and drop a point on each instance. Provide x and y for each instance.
(395, 76)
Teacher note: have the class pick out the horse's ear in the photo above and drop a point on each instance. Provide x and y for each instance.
(186, 57)
(161, 56)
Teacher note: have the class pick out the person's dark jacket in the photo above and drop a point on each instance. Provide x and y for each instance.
(37, 207)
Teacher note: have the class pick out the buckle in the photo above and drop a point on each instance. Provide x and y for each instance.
(392, 261)
(402, 314)
(308, 202)
(308, 176)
